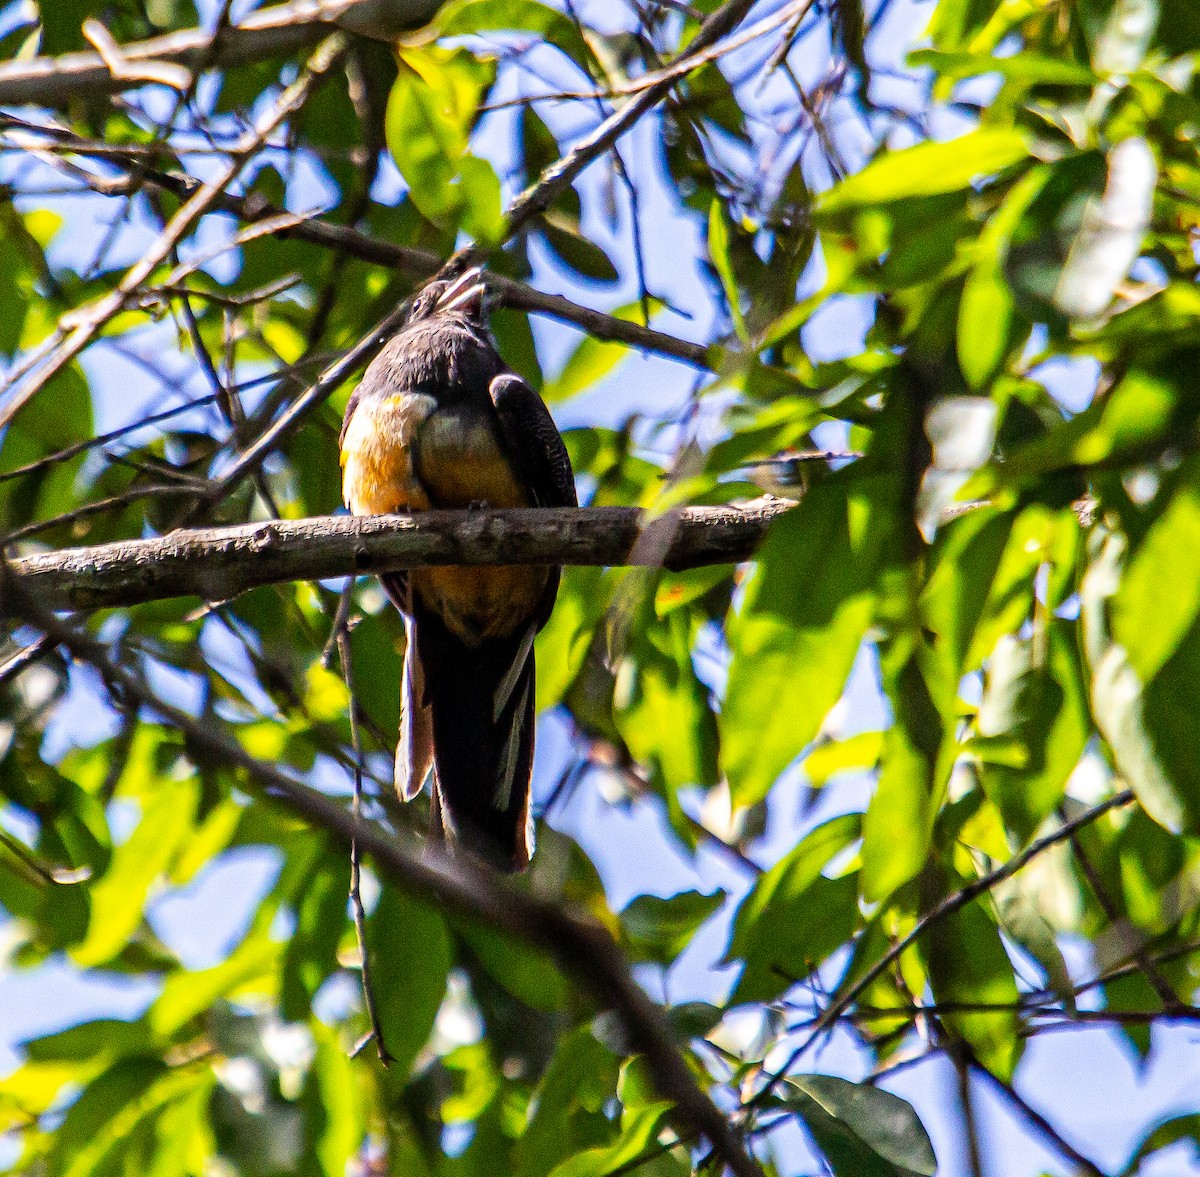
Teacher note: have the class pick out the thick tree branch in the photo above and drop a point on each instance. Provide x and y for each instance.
(218, 563)
(583, 947)
(271, 32)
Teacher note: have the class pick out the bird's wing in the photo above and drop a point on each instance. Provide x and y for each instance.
(351, 405)
(533, 442)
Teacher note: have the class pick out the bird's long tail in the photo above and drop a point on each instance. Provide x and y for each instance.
(482, 703)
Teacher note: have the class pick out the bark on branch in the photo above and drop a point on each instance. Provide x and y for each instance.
(277, 31)
(218, 563)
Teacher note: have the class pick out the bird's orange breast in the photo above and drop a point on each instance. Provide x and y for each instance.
(378, 477)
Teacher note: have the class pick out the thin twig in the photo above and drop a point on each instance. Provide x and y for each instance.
(26, 656)
(1161, 986)
(273, 32)
(1038, 1122)
(349, 241)
(356, 902)
(962, 1068)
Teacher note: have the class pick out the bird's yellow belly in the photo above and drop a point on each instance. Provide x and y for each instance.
(462, 465)
(402, 454)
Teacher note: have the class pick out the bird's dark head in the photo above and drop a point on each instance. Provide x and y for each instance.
(464, 297)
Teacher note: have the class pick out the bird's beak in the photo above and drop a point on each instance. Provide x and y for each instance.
(465, 293)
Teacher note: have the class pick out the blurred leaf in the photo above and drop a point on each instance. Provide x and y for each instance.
(593, 359)
(862, 1130)
(660, 929)
(1033, 725)
(927, 169)
(794, 916)
(638, 1134)
(481, 16)
(431, 109)
(568, 1112)
(718, 253)
(120, 894)
(968, 965)
(529, 975)
(341, 1134)
(410, 954)
(1110, 236)
(1158, 598)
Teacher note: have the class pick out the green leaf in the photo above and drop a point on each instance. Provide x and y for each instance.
(718, 253)
(342, 1123)
(662, 708)
(985, 315)
(660, 929)
(479, 16)
(120, 895)
(807, 607)
(529, 975)
(311, 954)
(188, 994)
(968, 965)
(638, 1135)
(1164, 1135)
(1033, 726)
(568, 1110)
(1026, 67)
(1158, 599)
(1118, 702)
(899, 821)
(857, 753)
(408, 942)
(431, 110)
(62, 24)
(862, 1130)
(927, 169)
(566, 238)
(593, 358)
(794, 916)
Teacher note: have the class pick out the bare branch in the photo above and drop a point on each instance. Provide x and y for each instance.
(559, 176)
(1039, 1123)
(218, 563)
(271, 32)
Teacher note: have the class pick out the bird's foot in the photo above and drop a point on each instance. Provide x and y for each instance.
(479, 505)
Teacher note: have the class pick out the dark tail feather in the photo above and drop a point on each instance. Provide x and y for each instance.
(482, 740)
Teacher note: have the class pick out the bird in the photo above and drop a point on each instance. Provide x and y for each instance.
(439, 421)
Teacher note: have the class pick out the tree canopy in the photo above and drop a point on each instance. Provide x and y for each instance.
(922, 726)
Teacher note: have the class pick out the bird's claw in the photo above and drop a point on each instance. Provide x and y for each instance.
(479, 505)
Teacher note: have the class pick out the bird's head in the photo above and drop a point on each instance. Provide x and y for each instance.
(464, 297)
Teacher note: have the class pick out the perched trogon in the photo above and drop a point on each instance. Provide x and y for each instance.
(439, 421)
